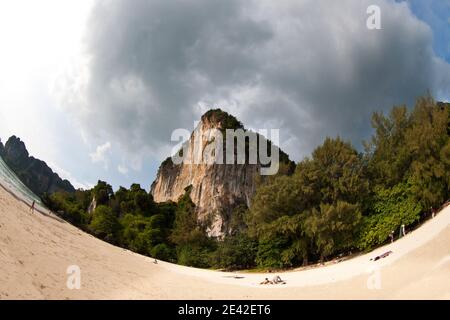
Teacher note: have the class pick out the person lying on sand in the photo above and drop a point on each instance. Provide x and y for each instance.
(266, 281)
(381, 256)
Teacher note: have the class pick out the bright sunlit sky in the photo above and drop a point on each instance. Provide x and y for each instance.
(94, 88)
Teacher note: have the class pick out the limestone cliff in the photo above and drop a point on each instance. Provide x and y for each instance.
(216, 188)
(34, 173)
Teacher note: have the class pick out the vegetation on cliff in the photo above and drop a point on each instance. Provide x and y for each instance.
(222, 118)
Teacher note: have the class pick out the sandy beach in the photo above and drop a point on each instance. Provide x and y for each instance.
(36, 250)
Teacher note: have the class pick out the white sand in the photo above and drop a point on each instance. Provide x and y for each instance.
(36, 249)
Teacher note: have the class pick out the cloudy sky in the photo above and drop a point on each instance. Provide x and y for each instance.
(95, 88)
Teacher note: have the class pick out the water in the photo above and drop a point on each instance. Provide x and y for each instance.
(10, 181)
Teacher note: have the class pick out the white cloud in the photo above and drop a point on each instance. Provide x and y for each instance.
(122, 169)
(101, 154)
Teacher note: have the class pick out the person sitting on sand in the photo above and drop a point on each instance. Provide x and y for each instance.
(277, 280)
(266, 281)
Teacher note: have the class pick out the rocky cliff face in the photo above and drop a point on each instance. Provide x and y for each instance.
(216, 188)
(34, 173)
(2, 149)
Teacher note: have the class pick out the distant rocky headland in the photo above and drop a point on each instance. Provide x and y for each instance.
(34, 173)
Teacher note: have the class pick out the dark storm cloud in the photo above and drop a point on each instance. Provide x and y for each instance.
(310, 68)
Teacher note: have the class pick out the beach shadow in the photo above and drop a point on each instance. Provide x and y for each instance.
(235, 277)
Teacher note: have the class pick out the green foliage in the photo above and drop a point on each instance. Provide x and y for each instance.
(238, 223)
(102, 193)
(315, 211)
(292, 230)
(148, 235)
(70, 206)
(167, 209)
(136, 201)
(276, 198)
(388, 160)
(335, 172)
(391, 208)
(445, 160)
(186, 228)
(333, 227)
(193, 245)
(137, 234)
(412, 147)
(289, 239)
(193, 255)
(235, 252)
(104, 224)
(269, 253)
(163, 252)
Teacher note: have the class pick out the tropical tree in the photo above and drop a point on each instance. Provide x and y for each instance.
(333, 227)
(104, 224)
